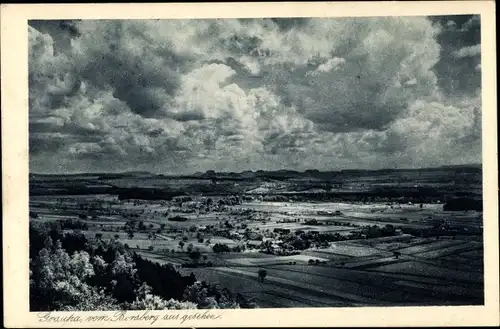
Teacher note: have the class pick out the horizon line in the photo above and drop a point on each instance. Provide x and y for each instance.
(470, 165)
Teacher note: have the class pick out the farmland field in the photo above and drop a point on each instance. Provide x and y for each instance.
(315, 252)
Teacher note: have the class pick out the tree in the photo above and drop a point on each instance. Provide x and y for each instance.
(124, 277)
(221, 248)
(397, 254)
(145, 300)
(181, 244)
(59, 281)
(262, 274)
(209, 296)
(195, 256)
(117, 236)
(388, 230)
(142, 227)
(130, 234)
(190, 247)
(98, 236)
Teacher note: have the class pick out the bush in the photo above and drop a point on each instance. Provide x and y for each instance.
(262, 274)
(178, 219)
(209, 296)
(145, 300)
(221, 248)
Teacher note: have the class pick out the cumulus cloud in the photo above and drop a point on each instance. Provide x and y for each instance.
(468, 51)
(472, 23)
(188, 95)
(379, 56)
(330, 65)
(451, 25)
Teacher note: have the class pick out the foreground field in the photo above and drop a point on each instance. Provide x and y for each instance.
(384, 281)
(346, 287)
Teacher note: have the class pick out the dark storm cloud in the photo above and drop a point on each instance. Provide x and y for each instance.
(61, 30)
(38, 144)
(289, 23)
(44, 142)
(242, 45)
(156, 132)
(143, 80)
(458, 74)
(121, 58)
(187, 116)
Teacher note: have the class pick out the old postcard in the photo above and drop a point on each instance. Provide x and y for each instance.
(250, 164)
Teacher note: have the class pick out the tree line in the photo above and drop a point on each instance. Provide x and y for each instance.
(69, 272)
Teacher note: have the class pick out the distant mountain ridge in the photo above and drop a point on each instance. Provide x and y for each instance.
(281, 173)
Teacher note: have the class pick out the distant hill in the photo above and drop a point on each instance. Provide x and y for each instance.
(314, 173)
(473, 165)
(274, 174)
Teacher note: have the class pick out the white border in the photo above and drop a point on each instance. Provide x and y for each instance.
(14, 88)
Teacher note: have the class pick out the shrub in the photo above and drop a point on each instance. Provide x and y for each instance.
(221, 248)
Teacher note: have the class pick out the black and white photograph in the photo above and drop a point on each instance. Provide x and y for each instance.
(255, 163)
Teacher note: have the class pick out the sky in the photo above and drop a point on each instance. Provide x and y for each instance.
(180, 96)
